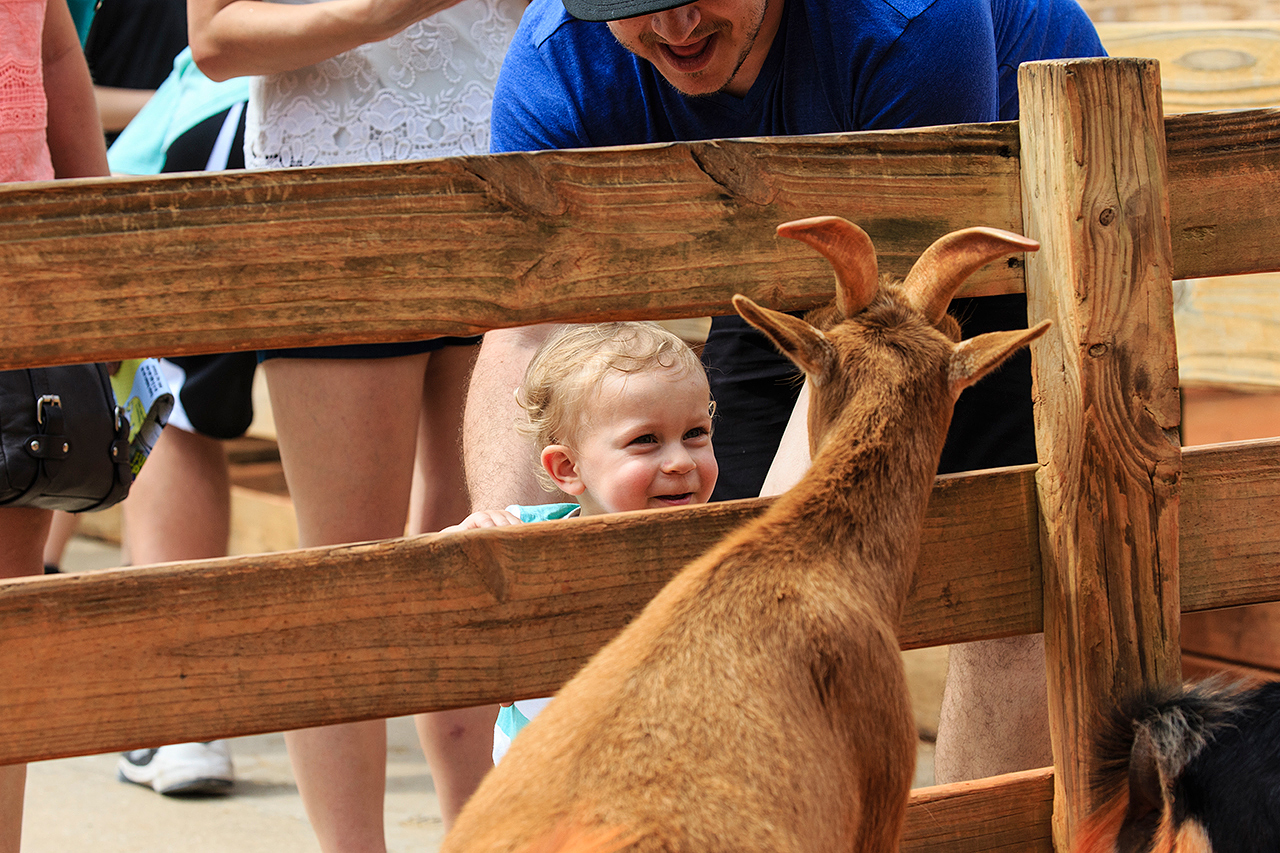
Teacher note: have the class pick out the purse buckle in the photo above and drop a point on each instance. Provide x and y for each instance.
(46, 400)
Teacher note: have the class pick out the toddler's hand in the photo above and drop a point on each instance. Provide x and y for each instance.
(485, 518)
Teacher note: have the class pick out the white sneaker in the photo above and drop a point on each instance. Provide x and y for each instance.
(183, 768)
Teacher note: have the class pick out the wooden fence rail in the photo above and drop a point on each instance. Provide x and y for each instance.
(104, 269)
(324, 635)
(1122, 199)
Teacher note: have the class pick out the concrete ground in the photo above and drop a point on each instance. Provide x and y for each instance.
(78, 803)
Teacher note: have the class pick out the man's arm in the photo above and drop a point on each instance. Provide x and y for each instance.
(498, 459)
(792, 458)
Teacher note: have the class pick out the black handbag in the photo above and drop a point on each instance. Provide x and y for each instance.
(64, 443)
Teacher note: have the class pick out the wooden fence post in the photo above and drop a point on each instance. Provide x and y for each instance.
(1094, 194)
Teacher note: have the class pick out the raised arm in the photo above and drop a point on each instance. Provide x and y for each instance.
(237, 38)
(74, 133)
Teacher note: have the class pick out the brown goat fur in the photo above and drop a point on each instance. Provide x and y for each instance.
(759, 702)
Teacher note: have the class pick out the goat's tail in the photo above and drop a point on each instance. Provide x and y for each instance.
(1141, 750)
(1099, 831)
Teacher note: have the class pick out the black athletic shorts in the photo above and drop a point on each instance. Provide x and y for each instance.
(214, 393)
(392, 350)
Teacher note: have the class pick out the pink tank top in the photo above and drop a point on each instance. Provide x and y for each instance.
(24, 148)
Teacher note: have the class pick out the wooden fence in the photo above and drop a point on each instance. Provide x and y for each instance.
(1101, 545)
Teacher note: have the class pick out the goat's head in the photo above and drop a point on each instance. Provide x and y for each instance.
(908, 320)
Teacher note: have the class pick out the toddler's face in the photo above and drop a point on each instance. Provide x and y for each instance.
(646, 443)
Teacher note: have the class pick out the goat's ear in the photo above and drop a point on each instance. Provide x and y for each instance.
(849, 251)
(800, 342)
(938, 273)
(974, 358)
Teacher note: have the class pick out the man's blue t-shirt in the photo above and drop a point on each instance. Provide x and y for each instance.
(834, 66)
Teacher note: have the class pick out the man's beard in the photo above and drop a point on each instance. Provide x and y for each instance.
(652, 42)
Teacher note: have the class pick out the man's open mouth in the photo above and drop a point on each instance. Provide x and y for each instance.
(688, 58)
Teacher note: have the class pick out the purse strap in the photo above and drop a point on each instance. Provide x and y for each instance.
(51, 441)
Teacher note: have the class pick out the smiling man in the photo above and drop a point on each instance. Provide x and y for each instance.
(586, 73)
(700, 48)
(583, 73)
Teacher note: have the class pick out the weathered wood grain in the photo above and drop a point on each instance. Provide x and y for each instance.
(1226, 326)
(1223, 171)
(287, 640)
(300, 638)
(1107, 406)
(1181, 10)
(1229, 543)
(979, 570)
(279, 641)
(398, 251)
(1205, 65)
(1243, 636)
(1004, 813)
(123, 267)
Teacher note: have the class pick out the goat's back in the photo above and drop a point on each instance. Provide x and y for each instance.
(725, 717)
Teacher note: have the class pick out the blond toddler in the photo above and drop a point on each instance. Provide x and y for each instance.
(621, 415)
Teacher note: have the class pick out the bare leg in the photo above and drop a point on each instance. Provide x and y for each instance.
(13, 784)
(187, 472)
(342, 777)
(439, 487)
(60, 533)
(458, 744)
(22, 536)
(995, 710)
(347, 432)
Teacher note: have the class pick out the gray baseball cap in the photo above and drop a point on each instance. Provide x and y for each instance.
(614, 10)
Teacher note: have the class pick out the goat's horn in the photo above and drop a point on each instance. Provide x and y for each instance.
(944, 266)
(848, 248)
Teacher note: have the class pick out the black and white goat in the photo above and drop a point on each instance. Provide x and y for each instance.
(1190, 770)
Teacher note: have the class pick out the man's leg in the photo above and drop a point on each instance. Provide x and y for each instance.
(995, 710)
(489, 436)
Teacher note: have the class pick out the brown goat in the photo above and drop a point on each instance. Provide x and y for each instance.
(758, 702)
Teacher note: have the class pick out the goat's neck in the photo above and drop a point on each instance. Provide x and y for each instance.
(866, 491)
